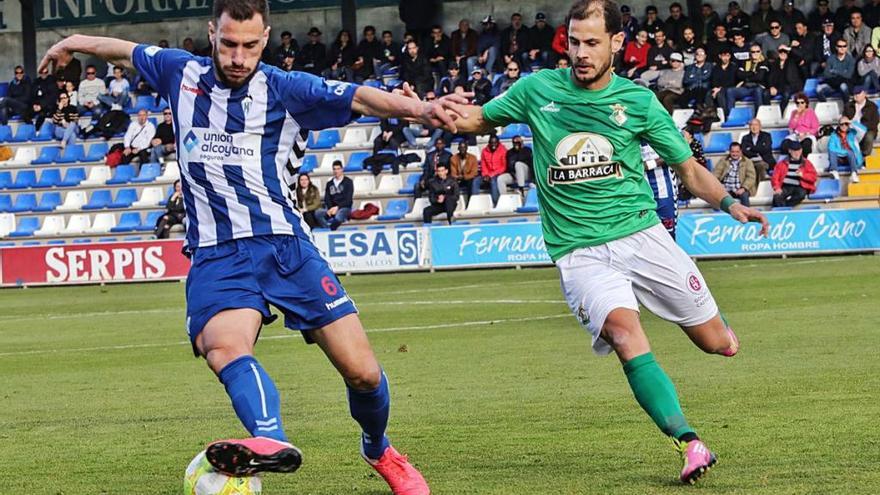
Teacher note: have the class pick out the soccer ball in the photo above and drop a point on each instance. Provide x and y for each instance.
(202, 479)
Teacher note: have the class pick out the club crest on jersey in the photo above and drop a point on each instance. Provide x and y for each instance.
(618, 113)
(246, 104)
(583, 157)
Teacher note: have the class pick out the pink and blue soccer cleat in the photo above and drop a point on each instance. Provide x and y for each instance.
(734, 346)
(250, 456)
(698, 459)
(401, 476)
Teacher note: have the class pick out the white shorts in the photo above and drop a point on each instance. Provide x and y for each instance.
(647, 267)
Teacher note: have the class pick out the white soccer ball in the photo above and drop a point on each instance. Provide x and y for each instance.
(202, 479)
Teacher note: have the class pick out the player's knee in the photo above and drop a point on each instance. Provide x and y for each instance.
(218, 356)
(363, 378)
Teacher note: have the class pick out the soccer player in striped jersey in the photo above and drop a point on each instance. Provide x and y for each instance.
(661, 178)
(237, 121)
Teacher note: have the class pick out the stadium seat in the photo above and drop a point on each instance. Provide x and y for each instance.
(718, 142)
(100, 199)
(770, 116)
(764, 195)
(48, 201)
(681, 116)
(96, 153)
(323, 140)
(124, 199)
(356, 161)
(7, 224)
(368, 119)
(97, 176)
(26, 227)
(507, 203)
(519, 220)
(395, 210)
(24, 179)
(168, 194)
(363, 184)
(479, 205)
(388, 185)
(721, 118)
(49, 177)
(5, 133)
(376, 203)
(513, 130)
(309, 163)
(777, 136)
(327, 162)
(128, 222)
(102, 224)
(819, 161)
(76, 225)
(531, 205)
(56, 242)
(46, 132)
(47, 155)
(171, 173)
(73, 201)
(827, 112)
(415, 213)
(149, 223)
(354, 138)
(827, 189)
(158, 107)
(82, 241)
(739, 117)
(52, 225)
(810, 86)
(142, 102)
(5, 179)
(122, 174)
(150, 196)
(411, 181)
(24, 202)
(72, 154)
(72, 177)
(4, 89)
(24, 155)
(24, 133)
(5, 203)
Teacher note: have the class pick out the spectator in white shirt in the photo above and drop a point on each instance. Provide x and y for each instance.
(89, 89)
(137, 139)
(117, 91)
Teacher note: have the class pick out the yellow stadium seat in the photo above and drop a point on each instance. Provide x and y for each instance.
(864, 189)
(873, 162)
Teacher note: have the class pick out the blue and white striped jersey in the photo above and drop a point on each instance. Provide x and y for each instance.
(233, 145)
(660, 177)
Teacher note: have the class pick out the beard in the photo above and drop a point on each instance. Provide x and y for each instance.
(218, 70)
(601, 70)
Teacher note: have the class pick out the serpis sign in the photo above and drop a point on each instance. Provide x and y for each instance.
(374, 250)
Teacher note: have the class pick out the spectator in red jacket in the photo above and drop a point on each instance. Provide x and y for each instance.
(793, 178)
(635, 57)
(493, 163)
(560, 43)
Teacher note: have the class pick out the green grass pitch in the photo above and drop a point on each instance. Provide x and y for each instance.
(494, 391)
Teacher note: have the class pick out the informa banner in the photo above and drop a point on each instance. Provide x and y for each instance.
(507, 244)
(795, 231)
(93, 263)
(350, 251)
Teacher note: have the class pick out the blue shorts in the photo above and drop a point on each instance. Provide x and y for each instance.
(286, 271)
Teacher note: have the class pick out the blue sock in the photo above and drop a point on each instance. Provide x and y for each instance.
(370, 410)
(254, 397)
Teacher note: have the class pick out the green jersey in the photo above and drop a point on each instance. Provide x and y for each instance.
(588, 167)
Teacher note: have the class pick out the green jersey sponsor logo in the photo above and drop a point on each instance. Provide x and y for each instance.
(583, 157)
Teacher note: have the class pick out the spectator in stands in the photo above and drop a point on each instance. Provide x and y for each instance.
(751, 80)
(688, 45)
(435, 157)
(369, 55)
(464, 46)
(784, 78)
(519, 167)
(697, 79)
(342, 57)
(803, 125)
(670, 84)
(803, 49)
(163, 142)
(563, 63)
(789, 16)
(489, 45)
(72, 93)
(652, 22)
(759, 22)
(442, 195)
(817, 17)
(514, 40)
(439, 51)
(864, 111)
(723, 77)
(697, 151)
(658, 58)
(705, 25)
(188, 45)
(480, 86)
(415, 131)
(844, 149)
(90, 89)
(452, 80)
(510, 77)
(737, 174)
(541, 42)
(313, 55)
(838, 74)
(464, 168)
(857, 35)
(18, 99)
(871, 12)
(757, 146)
(793, 178)
(137, 139)
(418, 17)
(72, 71)
(390, 54)
(736, 19)
(338, 199)
(493, 163)
(771, 41)
(739, 48)
(45, 97)
(66, 121)
(288, 63)
(288, 47)
(117, 91)
(560, 42)
(718, 42)
(675, 23)
(416, 70)
(843, 14)
(825, 47)
(308, 199)
(630, 25)
(868, 69)
(174, 213)
(635, 56)
(386, 146)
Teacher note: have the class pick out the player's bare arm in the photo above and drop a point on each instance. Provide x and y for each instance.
(705, 186)
(116, 51)
(440, 113)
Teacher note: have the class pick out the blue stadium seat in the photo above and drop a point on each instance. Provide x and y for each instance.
(373, 83)
(404, 225)
(128, 222)
(739, 117)
(709, 164)
(24, 202)
(24, 179)
(718, 142)
(826, 189)
(99, 199)
(168, 194)
(777, 137)
(309, 163)
(5, 133)
(56, 242)
(513, 130)
(781, 208)
(5, 179)
(411, 181)
(46, 132)
(149, 172)
(395, 210)
(124, 199)
(50, 177)
(24, 133)
(82, 241)
(149, 223)
(121, 175)
(356, 161)
(375, 227)
(368, 119)
(158, 107)
(47, 155)
(531, 205)
(30, 243)
(96, 153)
(73, 176)
(49, 201)
(324, 140)
(72, 154)
(810, 86)
(488, 222)
(519, 220)
(108, 239)
(142, 102)
(26, 227)
(5, 203)
(4, 89)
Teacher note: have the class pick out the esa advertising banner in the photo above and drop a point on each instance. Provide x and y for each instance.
(375, 250)
(506, 244)
(796, 231)
(93, 263)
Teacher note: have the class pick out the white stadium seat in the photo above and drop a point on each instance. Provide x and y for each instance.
(507, 203)
(52, 225)
(354, 138)
(364, 203)
(416, 212)
(374, 133)
(479, 205)
(363, 184)
(326, 166)
(681, 116)
(7, 224)
(717, 123)
(388, 185)
(73, 201)
(764, 195)
(103, 223)
(171, 173)
(819, 161)
(150, 196)
(97, 176)
(23, 156)
(770, 116)
(77, 224)
(828, 112)
(787, 115)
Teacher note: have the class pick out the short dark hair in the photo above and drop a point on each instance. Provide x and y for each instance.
(367, 29)
(675, 4)
(734, 145)
(242, 10)
(582, 9)
(337, 163)
(386, 32)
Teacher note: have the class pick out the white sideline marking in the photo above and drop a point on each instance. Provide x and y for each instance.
(291, 335)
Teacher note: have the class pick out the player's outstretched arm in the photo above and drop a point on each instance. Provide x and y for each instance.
(115, 51)
(468, 118)
(705, 186)
(378, 103)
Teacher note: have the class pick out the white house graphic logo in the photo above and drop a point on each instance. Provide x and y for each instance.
(583, 157)
(190, 141)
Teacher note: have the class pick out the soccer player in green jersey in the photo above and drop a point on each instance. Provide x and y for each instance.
(598, 214)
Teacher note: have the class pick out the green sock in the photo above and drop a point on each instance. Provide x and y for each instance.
(656, 394)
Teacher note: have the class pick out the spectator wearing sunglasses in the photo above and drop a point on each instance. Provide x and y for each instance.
(163, 143)
(803, 125)
(864, 111)
(751, 79)
(844, 149)
(510, 77)
(89, 89)
(772, 40)
(18, 99)
(839, 70)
